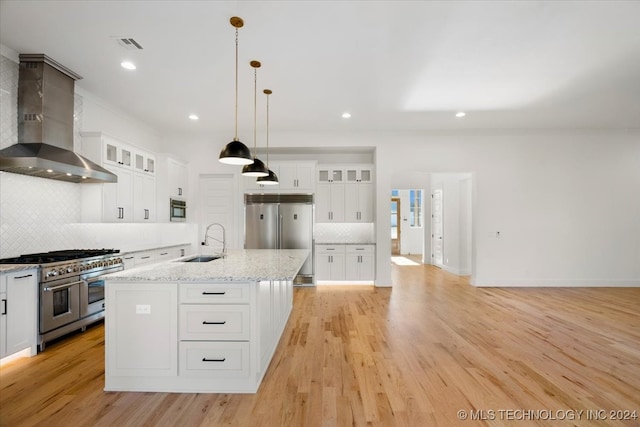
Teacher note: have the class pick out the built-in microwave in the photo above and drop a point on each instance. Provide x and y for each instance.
(177, 210)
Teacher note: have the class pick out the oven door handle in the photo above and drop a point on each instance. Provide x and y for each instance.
(67, 285)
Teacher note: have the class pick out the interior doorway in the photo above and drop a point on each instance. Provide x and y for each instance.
(396, 225)
(437, 227)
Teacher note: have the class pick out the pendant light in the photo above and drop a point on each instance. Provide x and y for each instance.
(235, 152)
(272, 178)
(257, 168)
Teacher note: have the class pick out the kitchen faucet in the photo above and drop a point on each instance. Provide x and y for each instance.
(207, 237)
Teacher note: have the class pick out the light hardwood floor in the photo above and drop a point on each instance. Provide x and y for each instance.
(413, 355)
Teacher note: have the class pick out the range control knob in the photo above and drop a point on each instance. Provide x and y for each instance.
(62, 271)
(52, 273)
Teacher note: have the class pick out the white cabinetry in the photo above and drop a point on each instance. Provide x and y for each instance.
(345, 262)
(178, 178)
(344, 193)
(358, 194)
(209, 337)
(360, 262)
(330, 262)
(296, 176)
(358, 202)
(133, 197)
(215, 329)
(116, 201)
(144, 162)
(293, 177)
(18, 312)
(136, 259)
(141, 335)
(330, 194)
(144, 198)
(172, 182)
(359, 173)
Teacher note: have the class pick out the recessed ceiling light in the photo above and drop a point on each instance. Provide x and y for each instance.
(128, 65)
(193, 117)
(346, 115)
(461, 114)
(68, 174)
(50, 170)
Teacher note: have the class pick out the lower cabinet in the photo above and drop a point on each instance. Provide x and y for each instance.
(360, 262)
(204, 337)
(136, 259)
(345, 262)
(18, 312)
(330, 262)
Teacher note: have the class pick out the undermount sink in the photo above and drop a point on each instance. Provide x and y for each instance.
(202, 258)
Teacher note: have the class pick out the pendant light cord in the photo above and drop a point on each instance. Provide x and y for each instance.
(236, 127)
(255, 109)
(267, 131)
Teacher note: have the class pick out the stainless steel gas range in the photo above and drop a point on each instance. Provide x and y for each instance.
(71, 289)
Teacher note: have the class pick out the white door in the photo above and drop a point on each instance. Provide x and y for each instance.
(217, 205)
(437, 228)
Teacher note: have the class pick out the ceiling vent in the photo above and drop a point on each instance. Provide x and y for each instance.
(128, 43)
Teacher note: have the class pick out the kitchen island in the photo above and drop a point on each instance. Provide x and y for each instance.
(198, 327)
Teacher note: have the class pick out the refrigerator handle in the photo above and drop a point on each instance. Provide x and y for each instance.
(279, 242)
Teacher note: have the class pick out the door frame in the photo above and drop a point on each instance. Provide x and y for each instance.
(438, 187)
(398, 226)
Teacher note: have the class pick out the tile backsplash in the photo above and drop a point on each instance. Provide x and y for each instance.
(344, 232)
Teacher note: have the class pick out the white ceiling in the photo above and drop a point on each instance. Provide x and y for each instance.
(392, 64)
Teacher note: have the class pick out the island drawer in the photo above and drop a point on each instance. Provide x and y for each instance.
(214, 322)
(214, 359)
(214, 293)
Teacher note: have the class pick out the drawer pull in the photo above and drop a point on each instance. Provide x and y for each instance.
(204, 322)
(213, 293)
(204, 359)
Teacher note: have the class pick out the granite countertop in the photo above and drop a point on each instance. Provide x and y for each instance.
(9, 268)
(237, 265)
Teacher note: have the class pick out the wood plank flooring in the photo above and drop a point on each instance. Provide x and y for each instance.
(413, 355)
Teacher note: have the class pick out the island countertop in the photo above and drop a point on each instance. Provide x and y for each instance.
(236, 265)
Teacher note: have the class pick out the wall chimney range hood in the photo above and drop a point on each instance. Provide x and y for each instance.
(45, 126)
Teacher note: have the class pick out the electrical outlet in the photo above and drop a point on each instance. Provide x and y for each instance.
(143, 309)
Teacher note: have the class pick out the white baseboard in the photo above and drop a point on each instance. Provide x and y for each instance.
(555, 283)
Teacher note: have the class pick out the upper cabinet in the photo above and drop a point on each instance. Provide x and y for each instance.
(359, 193)
(360, 173)
(328, 174)
(293, 177)
(144, 163)
(296, 176)
(344, 193)
(172, 182)
(177, 178)
(133, 197)
(114, 152)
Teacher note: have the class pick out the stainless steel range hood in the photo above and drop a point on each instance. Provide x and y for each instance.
(45, 126)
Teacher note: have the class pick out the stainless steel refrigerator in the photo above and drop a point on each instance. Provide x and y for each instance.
(281, 221)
